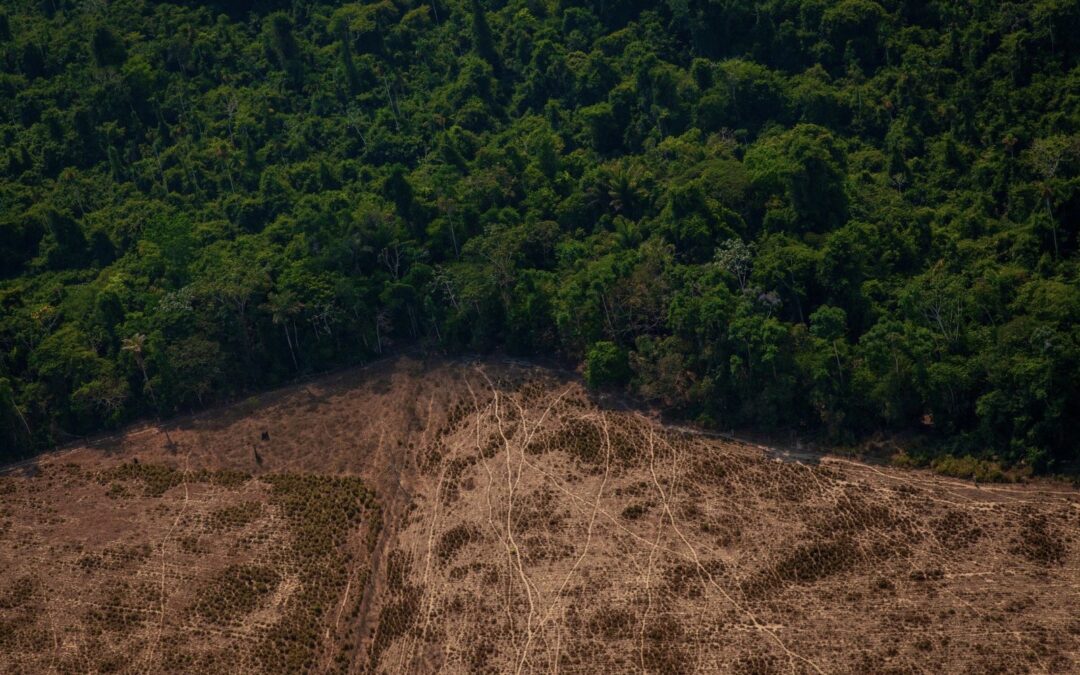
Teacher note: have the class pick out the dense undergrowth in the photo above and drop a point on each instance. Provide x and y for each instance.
(843, 217)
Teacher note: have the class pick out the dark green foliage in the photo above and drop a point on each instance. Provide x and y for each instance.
(106, 48)
(282, 44)
(65, 244)
(846, 218)
(481, 35)
(606, 364)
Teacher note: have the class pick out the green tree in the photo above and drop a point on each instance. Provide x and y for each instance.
(106, 48)
(483, 42)
(606, 364)
(829, 324)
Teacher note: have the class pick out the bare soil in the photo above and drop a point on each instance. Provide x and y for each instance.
(494, 517)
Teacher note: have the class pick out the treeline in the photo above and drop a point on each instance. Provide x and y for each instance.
(841, 217)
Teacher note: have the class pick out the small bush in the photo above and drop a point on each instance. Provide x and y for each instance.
(606, 364)
(969, 467)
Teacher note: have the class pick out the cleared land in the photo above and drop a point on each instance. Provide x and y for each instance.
(493, 517)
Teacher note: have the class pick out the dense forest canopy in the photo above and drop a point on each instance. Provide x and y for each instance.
(839, 217)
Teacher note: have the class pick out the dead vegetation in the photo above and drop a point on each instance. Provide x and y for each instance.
(493, 518)
(194, 572)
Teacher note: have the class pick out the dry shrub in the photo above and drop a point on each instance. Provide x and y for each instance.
(322, 511)
(480, 653)
(612, 623)
(455, 539)
(18, 593)
(192, 544)
(806, 563)
(626, 442)
(714, 468)
(853, 514)
(116, 613)
(933, 574)
(579, 438)
(429, 457)
(235, 516)
(637, 510)
(956, 530)
(119, 491)
(1039, 542)
(115, 557)
(757, 664)
(538, 510)
(452, 478)
(234, 592)
(398, 615)
(684, 580)
(157, 479)
(663, 653)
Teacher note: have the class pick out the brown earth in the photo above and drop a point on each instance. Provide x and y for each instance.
(493, 517)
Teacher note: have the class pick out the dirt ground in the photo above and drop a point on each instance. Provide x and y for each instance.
(493, 517)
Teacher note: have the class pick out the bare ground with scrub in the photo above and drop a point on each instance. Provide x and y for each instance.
(492, 517)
